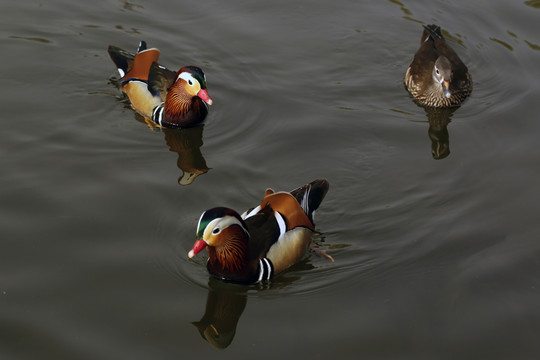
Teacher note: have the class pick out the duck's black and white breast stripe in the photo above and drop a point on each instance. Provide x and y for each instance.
(157, 115)
(266, 270)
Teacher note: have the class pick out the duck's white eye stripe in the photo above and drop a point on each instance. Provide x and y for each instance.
(187, 77)
(220, 223)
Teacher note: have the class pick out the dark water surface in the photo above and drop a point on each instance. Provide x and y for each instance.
(434, 258)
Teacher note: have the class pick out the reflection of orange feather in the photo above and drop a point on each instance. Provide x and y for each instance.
(286, 205)
(141, 64)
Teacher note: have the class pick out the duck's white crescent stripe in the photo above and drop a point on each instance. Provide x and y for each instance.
(157, 114)
(265, 269)
(281, 223)
(160, 117)
(251, 213)
(268, 268)
(261, 271)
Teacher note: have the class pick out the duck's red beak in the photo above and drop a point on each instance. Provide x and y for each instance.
(203, 94)
(197, 247)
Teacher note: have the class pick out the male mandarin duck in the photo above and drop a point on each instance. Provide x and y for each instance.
(170, 99)
(265, 240)
(436, 76)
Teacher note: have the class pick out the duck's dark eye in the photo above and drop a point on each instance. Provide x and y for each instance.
(216, 231)
(437, 71)
(190, 82)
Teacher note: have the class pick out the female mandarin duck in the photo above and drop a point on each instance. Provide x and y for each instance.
(170, 99)
(265, 240)
(436, 76)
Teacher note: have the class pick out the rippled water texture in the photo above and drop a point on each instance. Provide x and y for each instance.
(432, 218)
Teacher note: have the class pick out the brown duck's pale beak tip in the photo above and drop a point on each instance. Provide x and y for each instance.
(446, 88)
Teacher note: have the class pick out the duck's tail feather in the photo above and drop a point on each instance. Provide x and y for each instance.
(122, 59)
(310, 196)
(142, 46)
(126, 61)
(433, 31)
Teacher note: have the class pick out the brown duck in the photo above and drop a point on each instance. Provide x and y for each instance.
(436, 76)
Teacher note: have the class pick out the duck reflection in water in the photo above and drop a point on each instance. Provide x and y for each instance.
(226, 302)
(438, 119)
(187, 143)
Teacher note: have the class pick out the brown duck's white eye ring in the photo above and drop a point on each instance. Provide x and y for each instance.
(437, 71)
(216, 231)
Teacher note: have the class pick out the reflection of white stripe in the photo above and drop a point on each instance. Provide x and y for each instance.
(281, 223)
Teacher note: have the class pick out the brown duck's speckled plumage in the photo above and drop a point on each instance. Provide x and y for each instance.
(419, 79)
